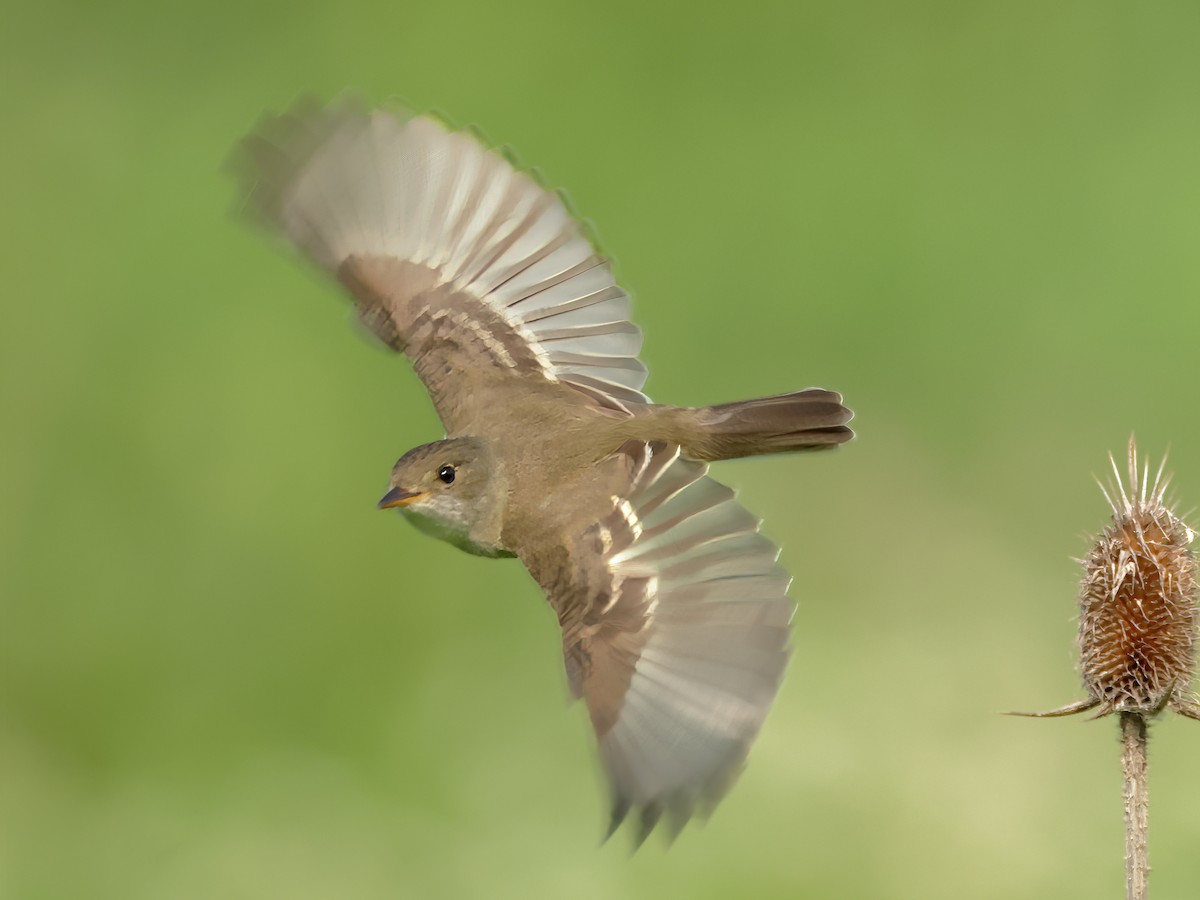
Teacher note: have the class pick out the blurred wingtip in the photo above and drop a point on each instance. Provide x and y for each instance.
(277, 146)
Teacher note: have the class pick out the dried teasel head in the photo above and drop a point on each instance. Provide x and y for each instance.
(1137, 635)
(1137, 604)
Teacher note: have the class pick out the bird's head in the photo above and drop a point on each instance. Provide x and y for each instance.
(452, 490)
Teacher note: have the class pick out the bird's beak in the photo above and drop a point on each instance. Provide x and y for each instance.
(399, 497)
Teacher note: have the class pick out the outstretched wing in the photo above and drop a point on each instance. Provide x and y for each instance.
(453, 255)
(675, 625)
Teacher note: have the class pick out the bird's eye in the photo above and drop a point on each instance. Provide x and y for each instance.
(446, 473)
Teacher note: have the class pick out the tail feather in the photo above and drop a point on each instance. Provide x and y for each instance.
(812, 419)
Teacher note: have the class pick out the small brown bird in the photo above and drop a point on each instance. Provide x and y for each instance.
(673, 609)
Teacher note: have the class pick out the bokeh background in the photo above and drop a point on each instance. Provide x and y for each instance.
(224, 674)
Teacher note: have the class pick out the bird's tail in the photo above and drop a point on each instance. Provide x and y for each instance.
(812, 419)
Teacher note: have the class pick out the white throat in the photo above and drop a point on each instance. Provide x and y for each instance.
(448, 522)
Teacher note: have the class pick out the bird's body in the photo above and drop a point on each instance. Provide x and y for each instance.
(673, 610)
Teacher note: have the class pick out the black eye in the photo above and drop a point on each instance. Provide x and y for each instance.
(446, 473)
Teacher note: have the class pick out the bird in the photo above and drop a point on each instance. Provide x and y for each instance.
(673, 607)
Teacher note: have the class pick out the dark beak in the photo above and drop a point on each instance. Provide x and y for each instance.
(398, 497)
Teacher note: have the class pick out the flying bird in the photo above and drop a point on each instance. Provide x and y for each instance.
(673, 609)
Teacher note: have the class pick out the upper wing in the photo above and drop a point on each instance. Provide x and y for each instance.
(675, 624)
(453, 255)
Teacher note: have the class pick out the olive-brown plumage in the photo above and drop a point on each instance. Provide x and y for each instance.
(673, 609)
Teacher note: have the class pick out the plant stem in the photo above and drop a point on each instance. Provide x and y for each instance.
(1137, 801)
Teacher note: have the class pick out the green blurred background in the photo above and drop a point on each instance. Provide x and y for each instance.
(224, 674)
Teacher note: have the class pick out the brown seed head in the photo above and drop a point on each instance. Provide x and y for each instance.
(1138, 616)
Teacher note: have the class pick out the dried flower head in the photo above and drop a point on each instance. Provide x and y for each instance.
(1137, 604)
(1137, 635)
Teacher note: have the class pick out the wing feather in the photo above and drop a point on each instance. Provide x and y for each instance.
(675, 619)
(426, 220)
